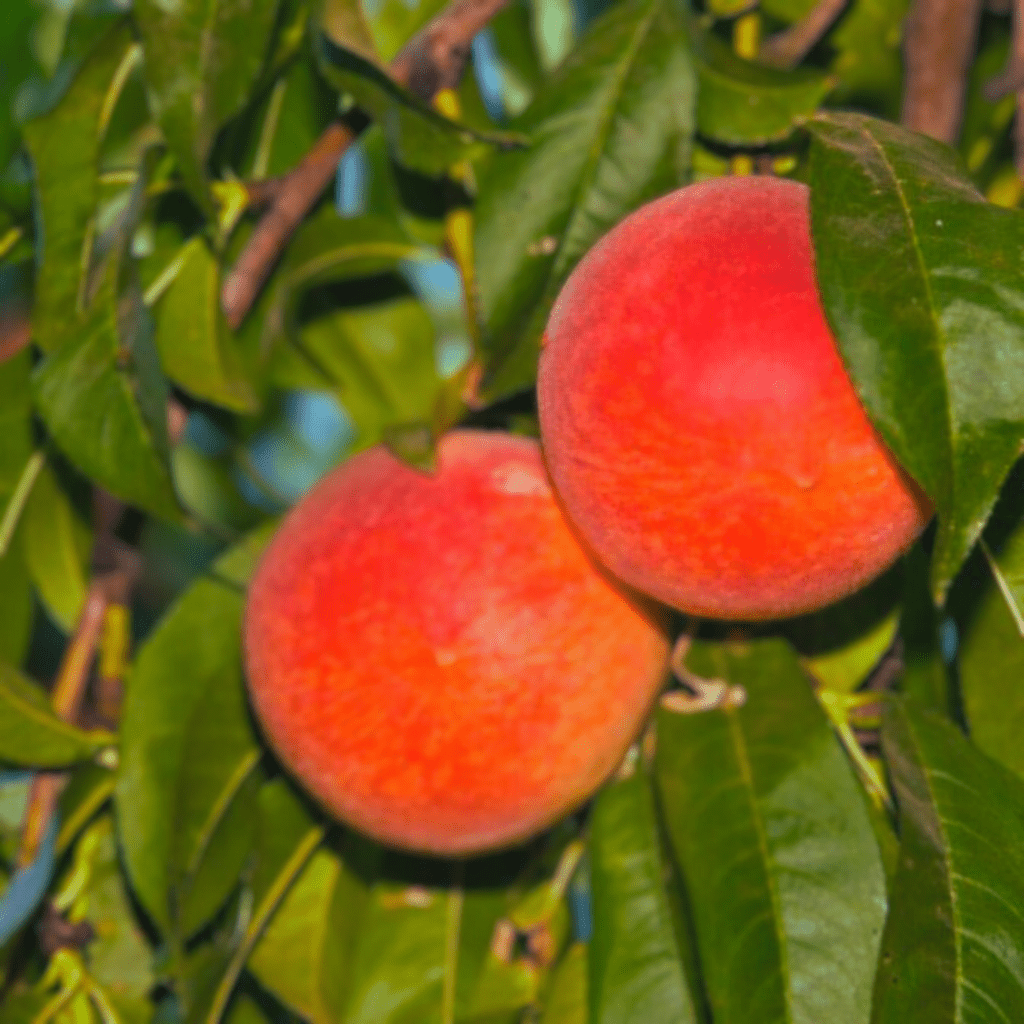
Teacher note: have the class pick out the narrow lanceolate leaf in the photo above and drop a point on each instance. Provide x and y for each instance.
(197, 349)
(922, 283)
(64, 145)
(991, 652)
(772, 834)
(953, 950)
(15, 421)
(31, 734)
(202, 58)
(286, 838)
(741, 103)
(181, 770)
(331, 248)
(56, 544)
(566, 1001)
(104, 403)
(612, 129)
(304, 955)
(636, 969)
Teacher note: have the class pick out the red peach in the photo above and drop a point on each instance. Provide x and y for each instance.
(436, 658)
(698, 421)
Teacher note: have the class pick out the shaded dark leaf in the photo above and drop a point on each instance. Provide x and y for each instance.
(921, 281)
(953, 948)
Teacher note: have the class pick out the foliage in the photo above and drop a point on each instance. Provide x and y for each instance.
(748, 863)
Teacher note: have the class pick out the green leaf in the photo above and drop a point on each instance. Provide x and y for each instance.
(16, 64)
(30, 732)
(566, 1001)
(868, 61)
(197, 349)
(953, 948)
(610, 130)
(399, 970)
(120, 958)
(991, 651)
(636, 970)
(57, 545)
(64, 145)
(379, 360)
(105, 407)
(202, 59)
(16, 621)
(925, 298)
(740, 103)
(771, 831)
(215, 816)
(15, 420)
(418, 136)
(286, 838)
(331, 248)
(304, 955)
(179, 773)
(297, 111)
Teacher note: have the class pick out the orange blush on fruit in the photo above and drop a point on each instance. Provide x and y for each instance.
(697, 419)
(436, 658)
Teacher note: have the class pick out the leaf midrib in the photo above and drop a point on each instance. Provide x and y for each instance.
(747, 775)
(937, 339)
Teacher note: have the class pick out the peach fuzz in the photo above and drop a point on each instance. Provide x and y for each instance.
(436, 658)
(698, 421)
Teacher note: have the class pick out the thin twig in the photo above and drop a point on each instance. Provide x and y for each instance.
(119, 568)
(434, 59)
(787, 48)
(938, 48)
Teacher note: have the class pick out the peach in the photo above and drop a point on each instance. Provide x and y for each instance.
(436, 658)
(697, 419)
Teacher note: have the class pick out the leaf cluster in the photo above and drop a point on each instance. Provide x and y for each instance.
(824, 852)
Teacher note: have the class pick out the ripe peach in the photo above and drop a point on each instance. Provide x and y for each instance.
(697, 419)
(436, 658)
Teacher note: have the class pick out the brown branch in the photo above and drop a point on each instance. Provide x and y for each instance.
(787, 48)
(15, 332)
(938, 49)
(434, 59)
(117, 568)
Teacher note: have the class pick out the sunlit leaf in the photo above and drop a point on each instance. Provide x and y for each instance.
(178, 773)
(741, 103)
(56, 544)
(610, 130)
(64, 145)
(197, 349)
(771, 831)
(636, 966)
(202, 58)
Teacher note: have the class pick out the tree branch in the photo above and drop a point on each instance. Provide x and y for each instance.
(938, 47)
(434, 59)
(787, 48)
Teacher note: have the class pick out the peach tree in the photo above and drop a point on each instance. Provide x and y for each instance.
(244, 240)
